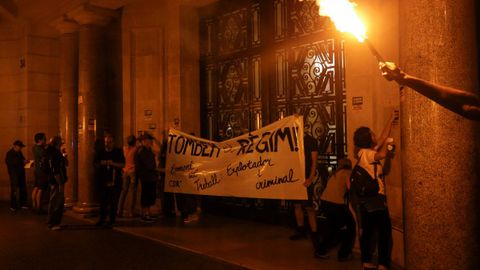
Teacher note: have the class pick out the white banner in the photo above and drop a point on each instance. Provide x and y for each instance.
(266, 163)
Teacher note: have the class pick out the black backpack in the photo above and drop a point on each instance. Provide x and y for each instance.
(364, 190)
(46, 162)
(362, 184)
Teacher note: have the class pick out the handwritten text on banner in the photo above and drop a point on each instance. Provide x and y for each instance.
(267, 163)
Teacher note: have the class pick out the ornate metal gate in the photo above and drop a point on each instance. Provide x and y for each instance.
(263, 60)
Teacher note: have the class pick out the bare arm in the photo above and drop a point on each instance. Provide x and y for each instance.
(381, 153)
(381, 147)
(461, 102)
(464, 103)
(118, 165)
(347, 179)
(385, 133)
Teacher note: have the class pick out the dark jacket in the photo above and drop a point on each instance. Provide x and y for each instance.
(15, 163)
(57, 164)
(145, 165)
(109, 175)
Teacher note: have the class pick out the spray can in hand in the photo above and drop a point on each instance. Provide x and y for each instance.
(390, 145)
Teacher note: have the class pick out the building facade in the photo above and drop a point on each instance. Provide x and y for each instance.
(81, 68)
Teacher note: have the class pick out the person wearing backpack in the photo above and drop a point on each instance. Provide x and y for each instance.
(367, 192)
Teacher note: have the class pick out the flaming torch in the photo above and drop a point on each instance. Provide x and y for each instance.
(342, 13)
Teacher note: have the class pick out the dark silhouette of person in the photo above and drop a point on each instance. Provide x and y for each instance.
(340, 220)
(146, 171)
(41, 178)
(57, 179)
(15, 164)
(372, 210)
(109, 161)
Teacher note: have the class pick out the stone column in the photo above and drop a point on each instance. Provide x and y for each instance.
(440, 148)
(91, 98)
(68, 120)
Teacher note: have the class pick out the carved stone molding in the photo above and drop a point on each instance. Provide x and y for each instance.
(110, 4)
(88, 14)
(8, 10)
(65, 25)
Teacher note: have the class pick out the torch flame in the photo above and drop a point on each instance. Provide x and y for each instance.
(342, 13)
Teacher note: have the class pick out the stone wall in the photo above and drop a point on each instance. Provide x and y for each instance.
(29, 78)
(143, 58)
(154, 59)
(380, 98)
(12, 78)
(160, 68)
(114, 79)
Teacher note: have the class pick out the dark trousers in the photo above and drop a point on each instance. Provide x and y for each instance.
(109, 203)
(187, 204)
(148, 195)
(168, 204)
(56, 205)
(376, 222)
(339, 222)
(18, 188)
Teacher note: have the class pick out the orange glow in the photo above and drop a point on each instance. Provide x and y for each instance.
(342, 13)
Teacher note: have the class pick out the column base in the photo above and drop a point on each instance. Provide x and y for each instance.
(69, 202)
(85, 208)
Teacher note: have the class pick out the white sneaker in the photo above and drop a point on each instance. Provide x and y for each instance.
(147, 219)
(191, 218)
(56, 228)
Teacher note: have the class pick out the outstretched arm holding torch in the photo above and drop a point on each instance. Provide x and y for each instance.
(342, 13)
(464, 103)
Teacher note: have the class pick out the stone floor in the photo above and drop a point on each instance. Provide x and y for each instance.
(26, 244)
(245, 243)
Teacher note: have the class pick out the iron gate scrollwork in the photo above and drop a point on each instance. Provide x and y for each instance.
(261, 61)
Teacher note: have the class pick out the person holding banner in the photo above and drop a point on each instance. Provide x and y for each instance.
(311, 155)
(167, 198)
(189, 205)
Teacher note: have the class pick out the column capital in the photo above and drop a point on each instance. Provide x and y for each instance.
(8, 10)
(111, 4)
(90, 14)
(65, 25)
